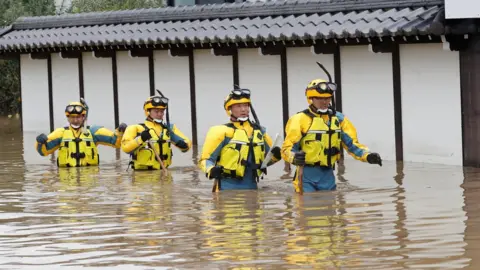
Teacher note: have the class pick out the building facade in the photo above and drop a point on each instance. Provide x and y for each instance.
(405, 72)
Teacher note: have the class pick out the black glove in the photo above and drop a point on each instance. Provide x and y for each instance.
(216, 172)
(374, 158)
(122, 127)
(299, 158)
(182, 144)
(42, 138)
(145, 135)
(276, 152)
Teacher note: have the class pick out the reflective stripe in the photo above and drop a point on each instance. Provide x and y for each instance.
(237, 142)
(317, 131)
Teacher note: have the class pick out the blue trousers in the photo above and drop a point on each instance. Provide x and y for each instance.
(318, 178)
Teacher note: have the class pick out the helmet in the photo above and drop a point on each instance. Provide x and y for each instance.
(155, 102)
(237, 96)
(319, 88)
(75, 108)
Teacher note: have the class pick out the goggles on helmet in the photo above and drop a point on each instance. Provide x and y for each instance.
(74, 109)
(240, 93)
(159, 101)
(324, 87)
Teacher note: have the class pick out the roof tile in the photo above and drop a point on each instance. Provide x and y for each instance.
(70, 31)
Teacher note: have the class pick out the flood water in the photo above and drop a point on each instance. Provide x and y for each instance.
(392, 217)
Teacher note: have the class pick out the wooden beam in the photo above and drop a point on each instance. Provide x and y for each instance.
(71, 54)
(103, 54)
(40, 55)
(193, 98)
(322, 48)
(50, 91)
(140, 52)
(397, 102)
(115, 89)
(224, 51)
(185, 52)
(272, 49)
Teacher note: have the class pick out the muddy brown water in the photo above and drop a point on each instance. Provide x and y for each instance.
(392, 217)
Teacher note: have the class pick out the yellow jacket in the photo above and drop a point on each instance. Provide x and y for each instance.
(132, 140)
(101, 135)
(299, 124)
(219, 136)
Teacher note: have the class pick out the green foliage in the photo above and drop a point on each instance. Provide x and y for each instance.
(10, 10)
(9, 87)
(107, 5)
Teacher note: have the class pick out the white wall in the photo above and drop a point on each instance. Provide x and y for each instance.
(460, 9)
(213, 82)
(65, 86)
(133, 87)
(35, 105)
(98, 90)
(367, 97)
(262, 75)
(431, 105)
(172, 78)
(301, 69)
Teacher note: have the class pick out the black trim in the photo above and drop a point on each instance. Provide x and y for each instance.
(397, 102)
(320, 45)
(71, 54)
(180, 51)
(284, 75)
(464, 101)
(80, 76)
(224, 51)
(50, 91)
(104, 54)
(193, 99)
(40, 55)
(236, 72)
(115, 89)
(151, 73)
(337, 70)
(19, 59)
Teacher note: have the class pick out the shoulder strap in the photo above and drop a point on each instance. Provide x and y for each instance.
(308, 112)
(230, 125)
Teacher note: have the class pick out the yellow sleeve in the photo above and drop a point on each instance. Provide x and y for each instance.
(177, 136)
(107, 137)
(52, 144)
(293, 130)
(130, 140)
(350, 139)
(214, 142)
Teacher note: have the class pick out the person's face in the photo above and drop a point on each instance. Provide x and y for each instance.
(240, 110)
(321, 103)
(157, 113)
(76, 120)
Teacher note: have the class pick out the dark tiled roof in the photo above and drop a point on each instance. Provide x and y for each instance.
(218, 11)
(4, 30)
(245, 22)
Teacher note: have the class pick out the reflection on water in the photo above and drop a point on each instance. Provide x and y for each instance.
(391, 217)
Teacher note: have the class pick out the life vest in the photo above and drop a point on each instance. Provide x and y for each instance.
(77, 151)
(143, 158)
(234, 155)
(321, 143)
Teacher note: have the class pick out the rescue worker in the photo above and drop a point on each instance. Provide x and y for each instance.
(232, 153)
(136, 139)
(314, 137)
(77, 143)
